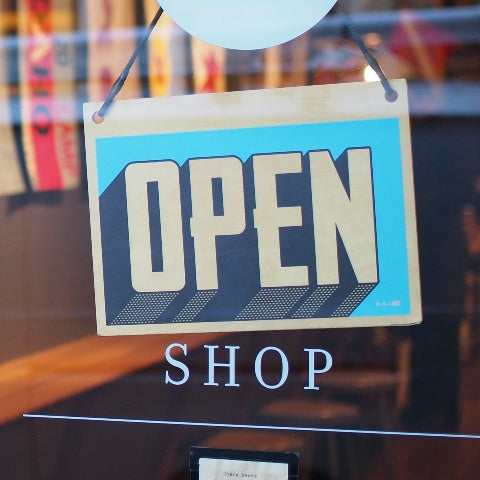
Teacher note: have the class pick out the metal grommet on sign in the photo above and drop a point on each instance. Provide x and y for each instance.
(391, 96)
(97, 118)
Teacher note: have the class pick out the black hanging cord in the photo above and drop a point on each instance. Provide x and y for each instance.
(117, 86)
(390, 94)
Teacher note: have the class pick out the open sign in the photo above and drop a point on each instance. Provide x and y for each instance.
(259, 218)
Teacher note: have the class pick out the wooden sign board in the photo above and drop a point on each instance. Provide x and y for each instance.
(271, 209)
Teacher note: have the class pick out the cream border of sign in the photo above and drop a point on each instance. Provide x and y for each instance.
(285, 106)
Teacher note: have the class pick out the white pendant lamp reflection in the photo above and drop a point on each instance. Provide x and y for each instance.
(246, 24)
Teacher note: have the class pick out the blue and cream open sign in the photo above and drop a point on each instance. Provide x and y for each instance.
(253, 210)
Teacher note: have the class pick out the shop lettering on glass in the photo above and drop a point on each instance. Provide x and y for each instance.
(277, 222)
(318, 362)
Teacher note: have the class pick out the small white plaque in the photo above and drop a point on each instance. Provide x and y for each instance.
(225, 469)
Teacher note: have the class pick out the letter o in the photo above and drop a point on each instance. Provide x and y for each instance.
(258, 368)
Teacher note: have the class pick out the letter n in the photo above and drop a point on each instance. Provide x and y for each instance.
(350, 213)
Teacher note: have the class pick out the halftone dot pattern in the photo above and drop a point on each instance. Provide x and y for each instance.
(144, 308)
(272, 303)
(354, 299)
(315, 301)
(195, 306)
